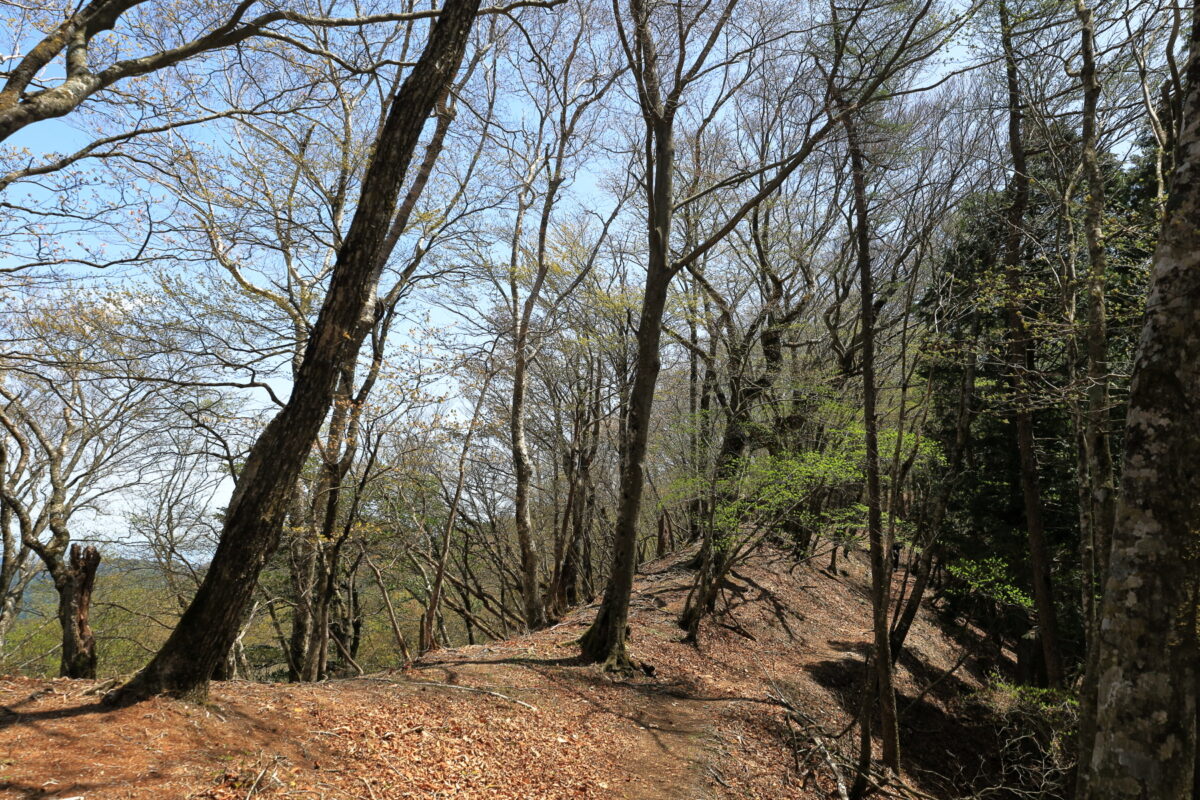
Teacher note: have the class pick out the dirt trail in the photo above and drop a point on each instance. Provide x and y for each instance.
(663, 752)
(515, 719)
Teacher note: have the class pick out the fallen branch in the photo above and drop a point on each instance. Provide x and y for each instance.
(480, 691)
(837, 773)
(100, 688)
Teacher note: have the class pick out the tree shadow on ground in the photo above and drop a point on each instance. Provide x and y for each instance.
(737, 596)
(942, 748)
(12, 715)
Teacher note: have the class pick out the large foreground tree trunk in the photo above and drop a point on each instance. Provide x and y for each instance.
(75, 585)
(1145, 736)
(256, 511)
(604, 641)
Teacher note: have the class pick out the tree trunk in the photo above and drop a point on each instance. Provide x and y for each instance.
(304, 580)
(1020, 352)
(235, 664)
(576, 566)
(604, 641)
(1145, 735)
(317, 648)
(428, 639)
(257, 508)
(1100, 495)
(711, 557)
(74, 585)
(941, 501)
(531, 596)
(881, 573)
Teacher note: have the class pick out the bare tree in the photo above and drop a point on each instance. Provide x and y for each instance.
(73, 437)
(661, 78)
(1020, 355)
(568, 81)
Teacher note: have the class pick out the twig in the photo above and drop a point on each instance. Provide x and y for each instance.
(254, 786)
(100, 688)
(837, 773)
(718, 777)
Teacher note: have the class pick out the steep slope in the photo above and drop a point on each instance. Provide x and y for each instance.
(522, 719)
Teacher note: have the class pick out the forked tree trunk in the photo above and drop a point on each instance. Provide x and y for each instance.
(257, 508)
(1145, 736)
(75, 584)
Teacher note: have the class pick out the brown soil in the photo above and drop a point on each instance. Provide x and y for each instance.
(522, 719)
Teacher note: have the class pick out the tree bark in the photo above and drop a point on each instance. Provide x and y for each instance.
(257, 508)
(1145, 737)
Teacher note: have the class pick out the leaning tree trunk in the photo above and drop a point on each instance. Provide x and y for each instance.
(940, 501)
(256, 511)
(75, 583)
(1145, 729)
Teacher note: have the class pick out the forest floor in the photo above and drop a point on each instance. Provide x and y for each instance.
(522, 719)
